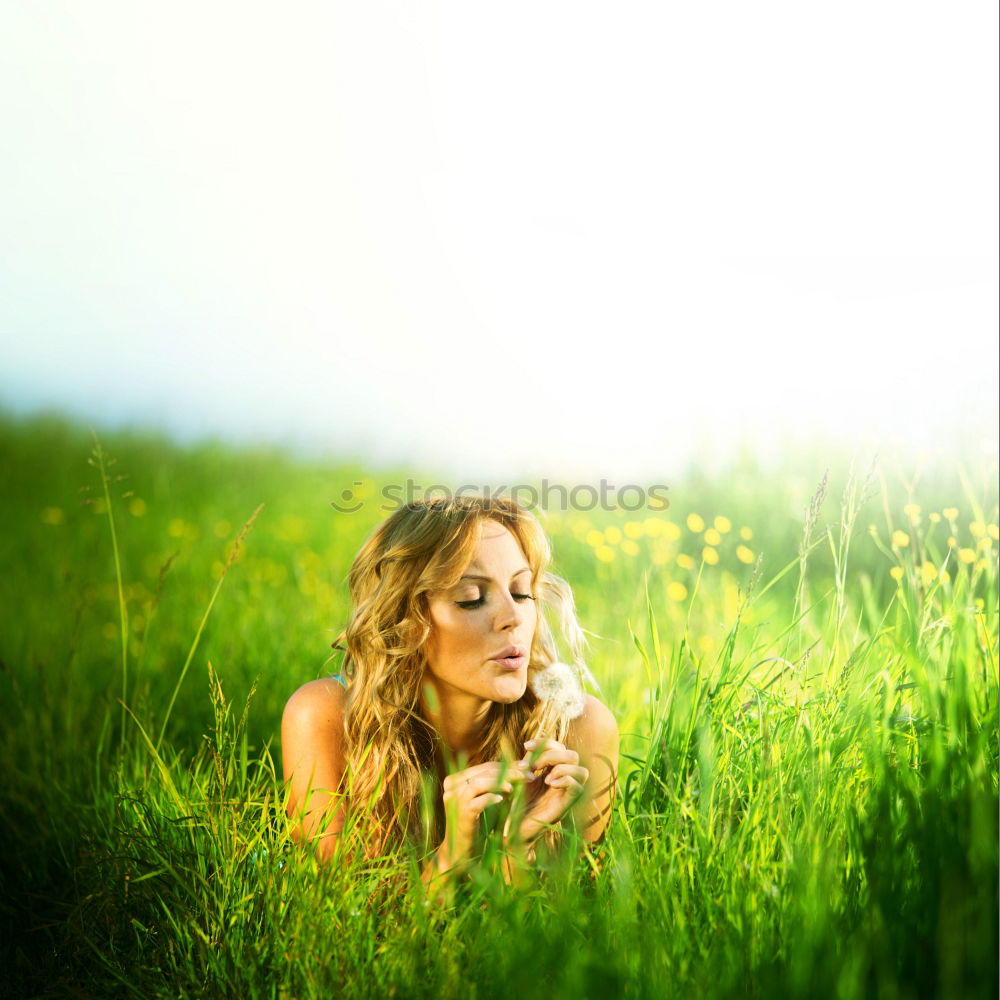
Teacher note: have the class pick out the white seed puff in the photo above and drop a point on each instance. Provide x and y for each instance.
(559, 684)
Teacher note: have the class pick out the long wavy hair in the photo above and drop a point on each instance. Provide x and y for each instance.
(393, 751)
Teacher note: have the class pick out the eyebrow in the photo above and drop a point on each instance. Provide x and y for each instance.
(489, 579)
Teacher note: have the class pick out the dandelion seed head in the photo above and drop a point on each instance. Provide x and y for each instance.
(559, 684)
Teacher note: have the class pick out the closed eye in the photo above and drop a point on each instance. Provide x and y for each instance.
(480, 601)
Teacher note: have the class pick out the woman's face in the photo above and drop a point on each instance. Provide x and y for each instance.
(477, 622)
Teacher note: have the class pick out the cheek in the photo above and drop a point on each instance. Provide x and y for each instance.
(449, 631)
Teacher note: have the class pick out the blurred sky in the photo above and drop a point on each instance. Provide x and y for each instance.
(572, 238)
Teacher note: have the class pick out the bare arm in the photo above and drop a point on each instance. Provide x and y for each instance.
(594, 736)
(313, 756)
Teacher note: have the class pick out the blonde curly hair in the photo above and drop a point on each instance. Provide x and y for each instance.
(392, 749)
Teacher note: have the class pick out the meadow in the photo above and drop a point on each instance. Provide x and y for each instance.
(802, 662)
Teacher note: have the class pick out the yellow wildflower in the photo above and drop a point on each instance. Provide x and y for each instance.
(985, 544)
(934, 517)
(671, 531)
(595, 537)
(723, 525)
(605, 553)
(994, 532)
(175, 529)
(967, 555)
(137, 507)
(633, 529)
(676, 591)
(744, 554)
(952, 542)
(613, 535)
(712, 537)
(709, 555)
(977, 529)
(896, 572)
(928, 573)
(695, 524)
(912, 511)
(746, 534)
(900, 539)
(685, 561)
(950, 513)
(653, 527)
(629, 547)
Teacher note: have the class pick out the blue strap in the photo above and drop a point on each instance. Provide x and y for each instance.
(339, 677)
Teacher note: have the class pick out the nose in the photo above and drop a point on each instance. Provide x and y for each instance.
(510, 615)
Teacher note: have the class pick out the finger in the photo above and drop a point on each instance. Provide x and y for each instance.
(543, 743)
(481, 783)
(551, 757)
(568, 782)
(491, 771)
(481, 802)
(580, 774)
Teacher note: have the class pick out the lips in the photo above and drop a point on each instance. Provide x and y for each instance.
(513, 657)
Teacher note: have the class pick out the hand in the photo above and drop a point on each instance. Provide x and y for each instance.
(466, 794)
(552, 795)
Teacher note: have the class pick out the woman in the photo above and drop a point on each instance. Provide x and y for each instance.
(452, 684)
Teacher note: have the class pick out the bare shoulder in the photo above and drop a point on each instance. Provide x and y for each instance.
(312, 732)
(317, 704)
(596, 730)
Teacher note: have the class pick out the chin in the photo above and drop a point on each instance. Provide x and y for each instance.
(510, 689)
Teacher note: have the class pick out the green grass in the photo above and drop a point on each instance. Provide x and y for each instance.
(809, 773)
